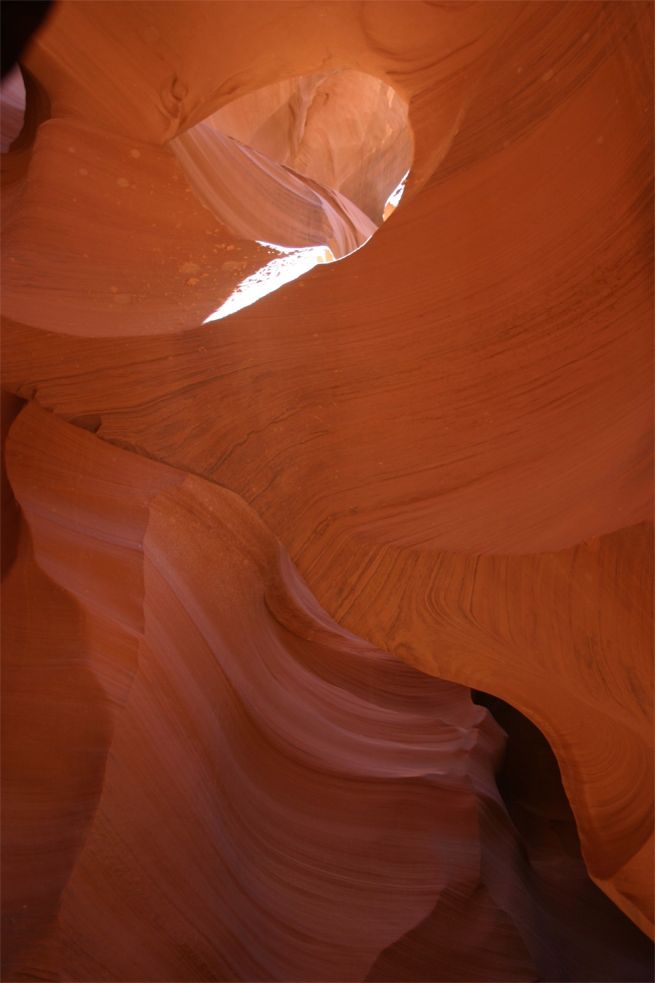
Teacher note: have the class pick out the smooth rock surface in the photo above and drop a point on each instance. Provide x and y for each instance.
(448, 434)
(209, 779)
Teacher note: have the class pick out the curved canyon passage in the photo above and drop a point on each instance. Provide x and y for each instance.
(327, 616)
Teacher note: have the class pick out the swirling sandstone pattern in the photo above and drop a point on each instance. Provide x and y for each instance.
(251, 791)
(304, 163)
(448, 435)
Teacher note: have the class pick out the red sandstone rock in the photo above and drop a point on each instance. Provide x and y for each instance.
(207, 778)
(448, 432)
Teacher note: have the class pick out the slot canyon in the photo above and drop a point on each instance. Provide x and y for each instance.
(327, 539)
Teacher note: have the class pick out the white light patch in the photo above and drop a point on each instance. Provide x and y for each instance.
(288, 266)
(394, 198)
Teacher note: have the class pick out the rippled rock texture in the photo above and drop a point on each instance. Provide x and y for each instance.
(254, 566)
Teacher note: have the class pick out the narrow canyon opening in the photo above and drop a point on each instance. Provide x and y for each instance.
(567, 899)
(309, 167)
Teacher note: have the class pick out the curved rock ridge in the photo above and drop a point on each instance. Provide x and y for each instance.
(305, 162)
(375, 368)
(450, 435)
(303, 809)
(100, 163)
(184, 260)
(346, 130)
(269, 796)
(566, 636)
(260, 200)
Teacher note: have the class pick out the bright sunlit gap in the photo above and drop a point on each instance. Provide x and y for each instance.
(288, 266)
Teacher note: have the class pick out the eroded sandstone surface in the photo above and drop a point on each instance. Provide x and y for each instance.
(254, 566)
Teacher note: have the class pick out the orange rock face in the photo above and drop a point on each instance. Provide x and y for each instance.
(253, 565)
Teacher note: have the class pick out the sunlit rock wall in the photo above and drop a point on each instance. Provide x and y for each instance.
(253, 566)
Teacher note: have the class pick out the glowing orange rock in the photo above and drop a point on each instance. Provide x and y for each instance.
(449, 433)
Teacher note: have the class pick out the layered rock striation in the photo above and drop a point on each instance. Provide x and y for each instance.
(254, 565)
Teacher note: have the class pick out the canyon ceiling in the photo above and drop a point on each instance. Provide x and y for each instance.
(327, 621)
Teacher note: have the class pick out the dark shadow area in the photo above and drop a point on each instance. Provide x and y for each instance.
(597, 942)
(533, 914)
(9, 410)
(19, 19)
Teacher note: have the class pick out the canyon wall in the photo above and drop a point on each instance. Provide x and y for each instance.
(253, 568)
